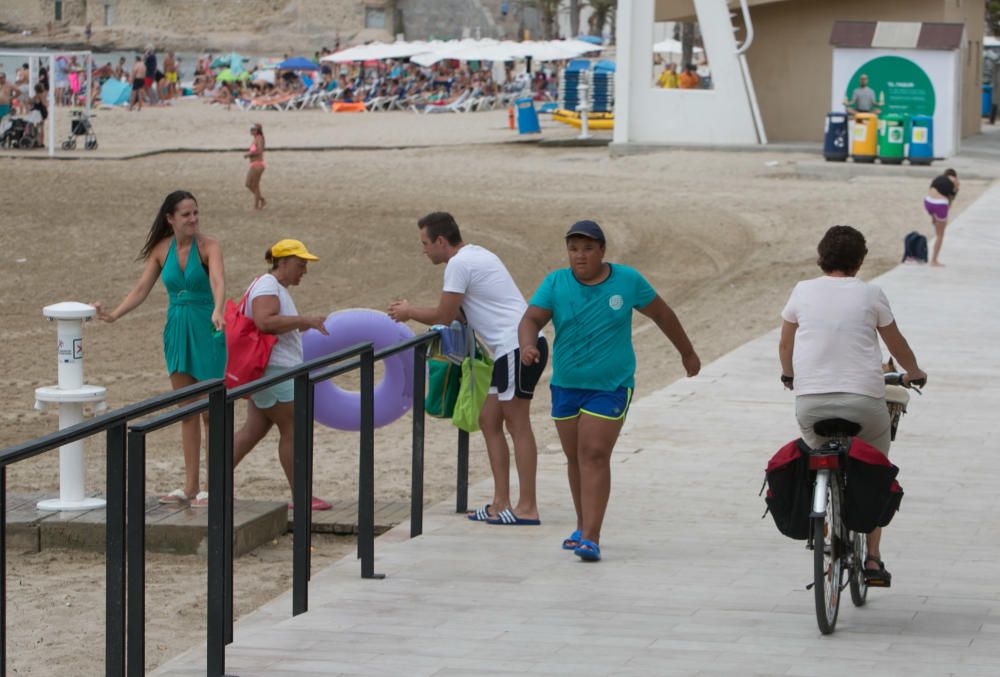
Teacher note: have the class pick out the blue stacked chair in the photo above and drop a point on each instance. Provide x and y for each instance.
(569, 92)
(603, 92)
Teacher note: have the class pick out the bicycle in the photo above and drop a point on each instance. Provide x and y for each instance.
(837, 551)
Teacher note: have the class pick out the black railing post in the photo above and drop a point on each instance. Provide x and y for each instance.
(301, 494)
(114, 562)
(312, 418)
(417, 470)
(218, 505)
(227, 429)
(462, 482)
(366, 474)
(3, 572)
(136, 546)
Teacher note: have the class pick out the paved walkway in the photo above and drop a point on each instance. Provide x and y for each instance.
(693, 581)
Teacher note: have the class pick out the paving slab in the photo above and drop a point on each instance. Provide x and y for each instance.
(693, 581)
(169, 528)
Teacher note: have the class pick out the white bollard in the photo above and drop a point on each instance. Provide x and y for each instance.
(70, 394)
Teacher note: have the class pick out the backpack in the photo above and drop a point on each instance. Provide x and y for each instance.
(789, 489)
(915, 247)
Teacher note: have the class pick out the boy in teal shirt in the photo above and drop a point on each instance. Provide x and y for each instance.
(593, 366)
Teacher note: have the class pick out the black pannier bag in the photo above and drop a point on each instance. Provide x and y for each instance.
(789, 489)
(872, 495)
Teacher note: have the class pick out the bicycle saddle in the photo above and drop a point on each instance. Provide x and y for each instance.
(836, 427)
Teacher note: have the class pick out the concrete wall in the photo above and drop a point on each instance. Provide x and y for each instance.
(645, 114)
(446, 19)
(791, 59)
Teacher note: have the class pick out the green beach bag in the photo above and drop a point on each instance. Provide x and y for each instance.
(443, 380)
(477, 372)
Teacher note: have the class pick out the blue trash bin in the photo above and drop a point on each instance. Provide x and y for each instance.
(835, 137)
(987, 101)
(921, 140)
(527, 117)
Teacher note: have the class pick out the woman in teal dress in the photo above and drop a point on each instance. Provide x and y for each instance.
(190, 265)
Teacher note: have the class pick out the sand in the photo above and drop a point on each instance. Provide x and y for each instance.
(723, 236)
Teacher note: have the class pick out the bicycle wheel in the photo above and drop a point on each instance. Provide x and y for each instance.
(859, 589)
(827, 565)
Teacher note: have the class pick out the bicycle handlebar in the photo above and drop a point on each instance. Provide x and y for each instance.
(898, 378)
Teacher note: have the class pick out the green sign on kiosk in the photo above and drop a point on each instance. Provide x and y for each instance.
(900, 85)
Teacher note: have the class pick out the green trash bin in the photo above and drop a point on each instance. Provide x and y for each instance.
(891, 139)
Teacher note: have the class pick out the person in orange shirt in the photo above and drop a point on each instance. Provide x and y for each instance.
(689, 78)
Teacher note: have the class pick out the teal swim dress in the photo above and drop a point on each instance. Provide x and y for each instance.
(189, 343)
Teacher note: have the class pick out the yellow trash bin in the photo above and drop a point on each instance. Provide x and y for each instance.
(864, 137)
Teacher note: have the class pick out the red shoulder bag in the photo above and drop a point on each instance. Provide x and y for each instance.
(248, 349)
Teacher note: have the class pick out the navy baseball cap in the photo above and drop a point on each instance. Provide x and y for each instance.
(586, 228)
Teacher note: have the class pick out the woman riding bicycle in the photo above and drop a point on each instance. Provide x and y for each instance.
(830, 353)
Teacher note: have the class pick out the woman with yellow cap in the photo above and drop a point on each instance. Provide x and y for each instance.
(272, 309)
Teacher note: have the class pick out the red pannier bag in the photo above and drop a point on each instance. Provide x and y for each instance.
(872, 495)
(789, 489)
(248, 349)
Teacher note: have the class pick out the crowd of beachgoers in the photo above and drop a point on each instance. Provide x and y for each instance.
(285, 84)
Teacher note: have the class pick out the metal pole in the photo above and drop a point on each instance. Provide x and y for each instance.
(115, 575)
(3, 571)
(227, 430)
(136, 547)
(366, 474)
(462, 483)
(217, 507)
(51, 136)
(301, 497)
(89, 60)
(417, 472)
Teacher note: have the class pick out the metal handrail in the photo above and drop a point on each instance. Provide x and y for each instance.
(125, 599)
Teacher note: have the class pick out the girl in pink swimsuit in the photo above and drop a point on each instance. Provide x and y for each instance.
(257, 166)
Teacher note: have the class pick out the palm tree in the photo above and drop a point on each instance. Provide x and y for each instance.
(603, 11)
(550, 11)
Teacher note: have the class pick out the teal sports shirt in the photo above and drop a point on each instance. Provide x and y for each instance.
(593, 323)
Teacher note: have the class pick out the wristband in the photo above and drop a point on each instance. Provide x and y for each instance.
(787, 379)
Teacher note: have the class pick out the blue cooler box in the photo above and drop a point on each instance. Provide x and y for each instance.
(835, 137)
(921, 150)
(527, 117)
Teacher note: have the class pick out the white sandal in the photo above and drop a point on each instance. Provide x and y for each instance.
(201, 500)
(175, 497)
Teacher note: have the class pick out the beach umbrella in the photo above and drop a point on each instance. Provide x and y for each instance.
(592, 39)
(297, 63)
(115, 92)
(671, 46)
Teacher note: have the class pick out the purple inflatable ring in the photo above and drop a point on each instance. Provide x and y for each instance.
(337, 408)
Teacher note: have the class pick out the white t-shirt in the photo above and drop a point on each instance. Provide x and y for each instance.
(493, 304)
(836, 345)
(287, 352)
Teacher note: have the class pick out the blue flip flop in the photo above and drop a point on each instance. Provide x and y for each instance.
(481, 514)
(573, 540)
(508, 518)
(588, 551)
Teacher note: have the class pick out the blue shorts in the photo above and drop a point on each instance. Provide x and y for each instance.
(282, 392)
(569, 403)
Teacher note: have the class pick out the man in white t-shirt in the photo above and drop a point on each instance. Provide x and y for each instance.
(478, 285)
